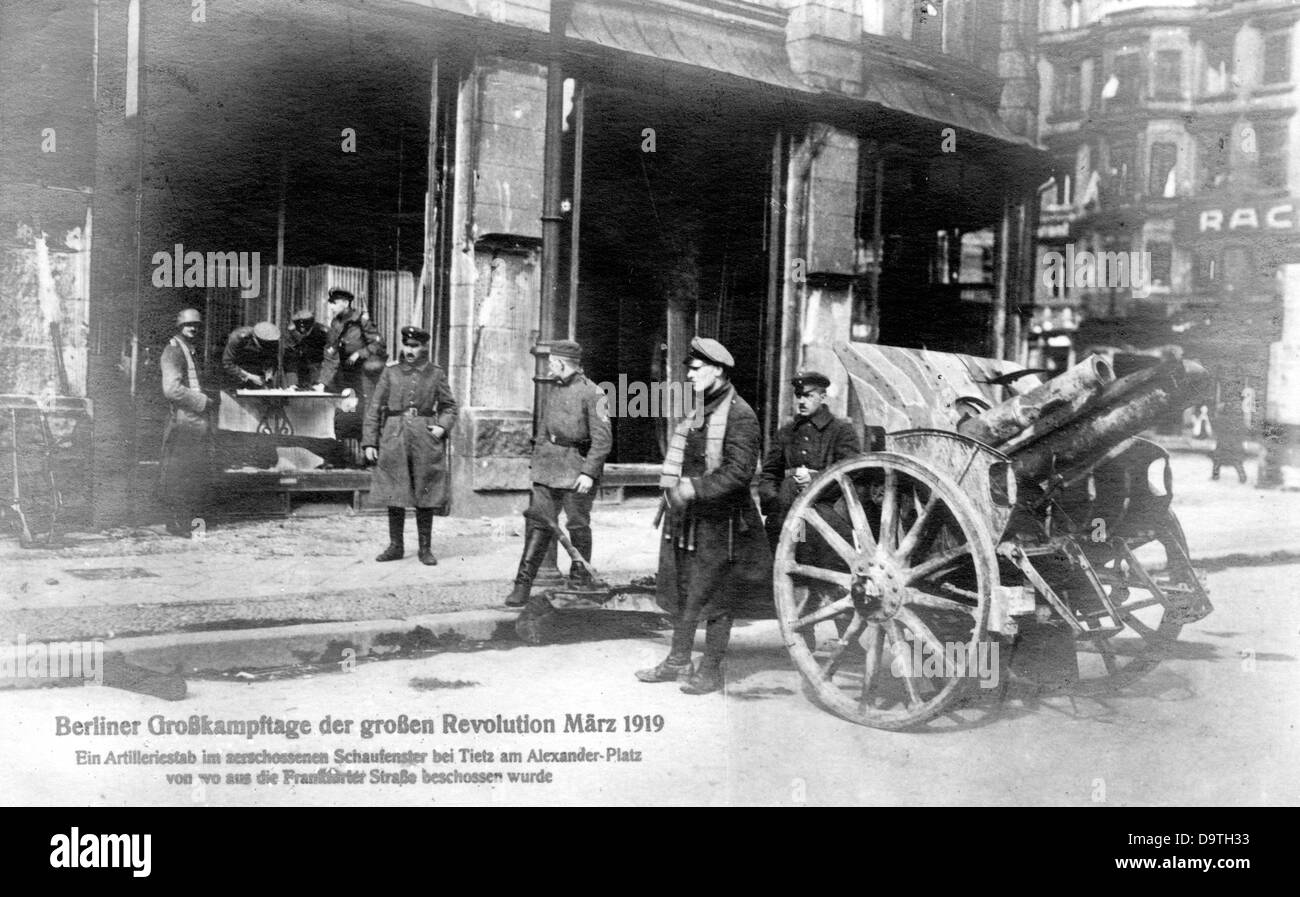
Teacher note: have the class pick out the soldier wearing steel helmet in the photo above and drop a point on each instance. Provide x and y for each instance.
(187, 434)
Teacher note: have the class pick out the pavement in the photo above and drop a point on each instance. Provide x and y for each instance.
(278, 593)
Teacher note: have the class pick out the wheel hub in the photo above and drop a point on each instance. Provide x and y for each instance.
(879, 586)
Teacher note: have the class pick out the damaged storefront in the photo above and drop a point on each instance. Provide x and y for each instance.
(781, 177)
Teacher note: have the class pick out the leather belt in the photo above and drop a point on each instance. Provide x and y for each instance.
(416, 412)
(582, 445)
(790, 471)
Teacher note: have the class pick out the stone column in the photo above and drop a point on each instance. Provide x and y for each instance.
(495, 281)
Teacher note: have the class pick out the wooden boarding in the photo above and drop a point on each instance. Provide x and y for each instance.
(287, 483)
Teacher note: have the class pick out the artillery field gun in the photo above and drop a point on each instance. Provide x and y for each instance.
(1004, 520)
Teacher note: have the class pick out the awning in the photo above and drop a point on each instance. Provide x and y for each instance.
(756, 52)
(745, 51)
(905, 93)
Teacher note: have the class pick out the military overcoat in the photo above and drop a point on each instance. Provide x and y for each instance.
(412, 466)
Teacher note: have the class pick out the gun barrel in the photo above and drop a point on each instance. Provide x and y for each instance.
(1072, 389)
(1123, 409)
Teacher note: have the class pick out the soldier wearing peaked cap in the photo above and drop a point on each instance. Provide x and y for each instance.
(573, 440)
(714, 556)
(814, 440)
(251, 356)
(353, 359)
(406, 427)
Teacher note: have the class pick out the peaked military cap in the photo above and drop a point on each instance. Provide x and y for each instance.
(340, 293)
(413, 334)
(304, 314)
(810, 379)
(266, 332)
(188, 316)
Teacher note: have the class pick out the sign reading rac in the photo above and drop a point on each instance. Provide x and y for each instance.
(1266, 216)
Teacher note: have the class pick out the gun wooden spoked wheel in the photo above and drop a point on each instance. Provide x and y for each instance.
(894, 554)
(1152, 606)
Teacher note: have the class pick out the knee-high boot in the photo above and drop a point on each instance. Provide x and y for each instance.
(581, 538)
(424, 529)
(708, 677)
(396, 545)
(536, 542)
(677, 665)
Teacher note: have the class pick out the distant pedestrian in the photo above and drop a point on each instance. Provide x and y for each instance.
(1201, 427)
(1248, 407)
(1230, 448)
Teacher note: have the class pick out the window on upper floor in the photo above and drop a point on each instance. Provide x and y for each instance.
(1206, 269)
(1126, 69)
(1169, 75)
(1162, 172)
(873, 16)
(1271, 144)
(1066, 96)
(927, 24)
(1122, 156)
(1277, 57)
(1218, 68)
(1162, 262)
(1073, 13)
(1238, 269)
(1212, 158)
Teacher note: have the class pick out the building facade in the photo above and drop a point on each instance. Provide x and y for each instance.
(1174, 134)
(778, 175)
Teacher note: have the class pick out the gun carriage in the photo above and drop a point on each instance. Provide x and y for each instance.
(1039, 523)
(997, 517)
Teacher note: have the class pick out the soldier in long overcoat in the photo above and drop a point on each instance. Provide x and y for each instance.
(406, 427)
(714, 556)
(186, 439)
